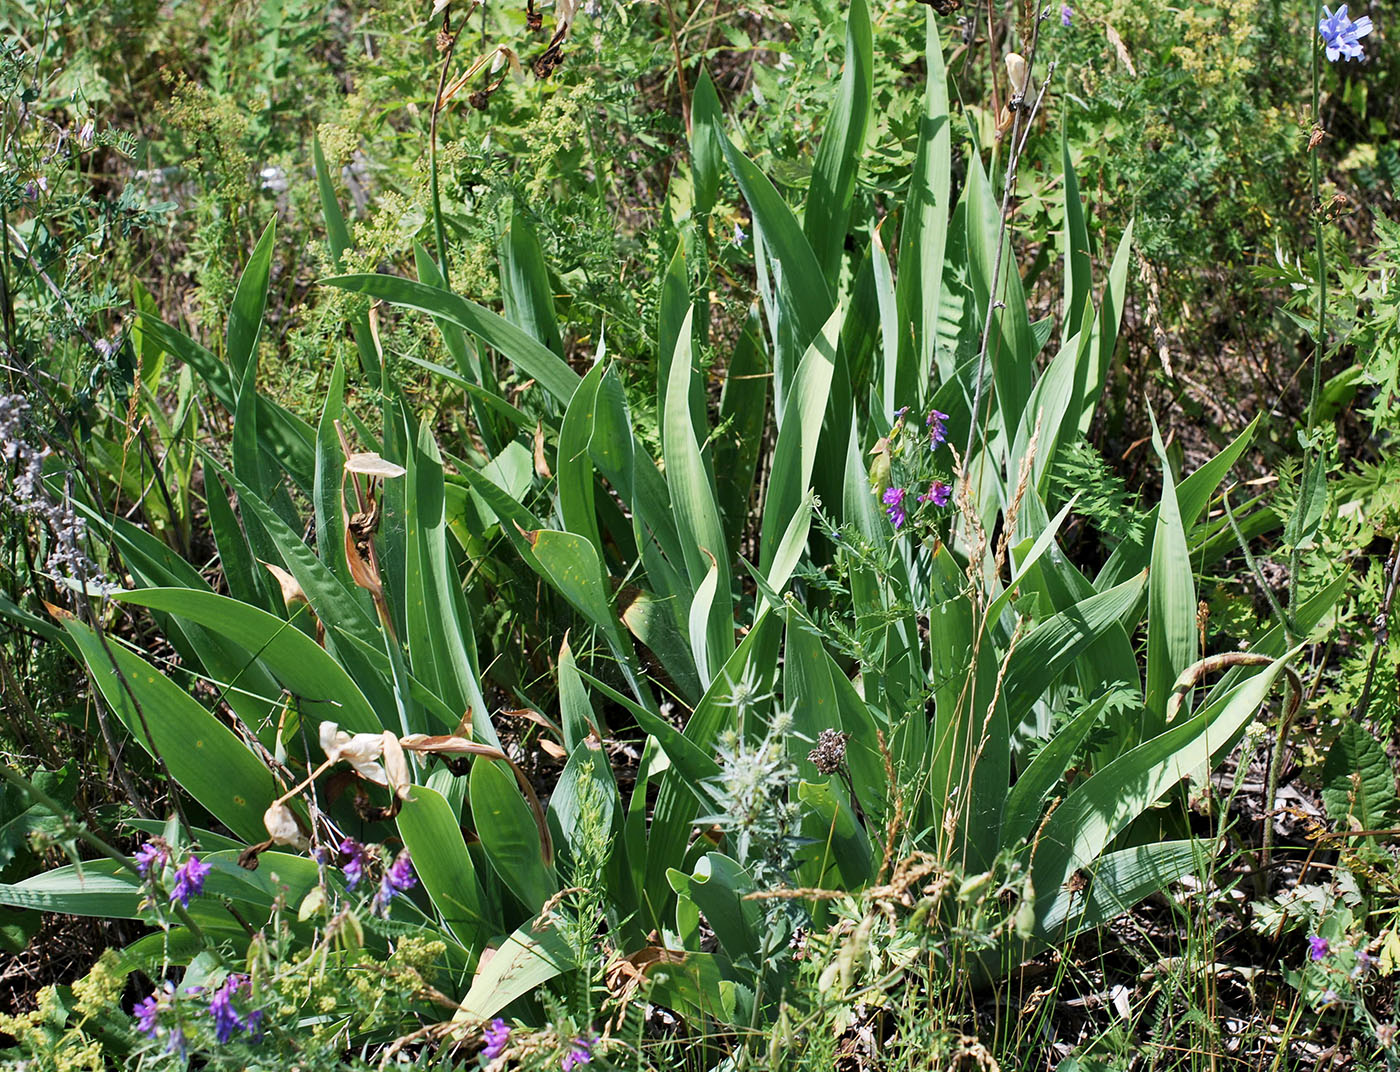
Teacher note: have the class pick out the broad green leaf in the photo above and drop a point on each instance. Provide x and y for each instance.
(1055, 643)
(1117, 881)
(1173, 638)
(1105, 803)
(440, 631)
(432, 833)
(743, 415)
(1078, 248)
(574, 466)
(838, 157)
(296, 661)
(509, 835)
(202, 754)
(697, 511)
(923, 237)
(246, 314)
(529, 958)
(1358, 781)
(573, 567)
(798, 301)
(525, 289)
(1106, 327)
(795, 453)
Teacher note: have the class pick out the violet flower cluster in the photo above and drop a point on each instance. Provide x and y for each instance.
(895, 497)
(151, 1016)
(151, 860)
(398, 878)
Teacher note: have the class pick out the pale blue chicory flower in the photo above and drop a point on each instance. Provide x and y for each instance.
(1341, 34)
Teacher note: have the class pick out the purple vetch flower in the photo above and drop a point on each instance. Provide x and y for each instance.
(740, 235)
(397, 879)
(1341, 34)
(938, 493)
(227, 1019)
(178, 1044)
(1066, 15)
(400, 874)
(152, 854)
(937, 429)
(147, 1014)
(497, 1035)
(580, 1053)
(1364, 963)
(189, 881)
(894, 506)
(354, 867)
(1318, 947)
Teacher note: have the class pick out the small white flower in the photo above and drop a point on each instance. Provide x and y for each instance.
(85, 134)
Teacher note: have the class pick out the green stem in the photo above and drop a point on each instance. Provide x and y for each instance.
(1310, 453)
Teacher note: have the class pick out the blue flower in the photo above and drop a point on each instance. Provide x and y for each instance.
(226, 1017)
(741, 235)
(189, 880)
(1342, 35)
(1318, 947)
(1066, 15)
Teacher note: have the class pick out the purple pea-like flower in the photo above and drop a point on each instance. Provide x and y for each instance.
(398, 878)
(937, 429)
(1341, 35)
(354, 867)
(1066, 15)
(894, 506)
(147, 1014)
(580, 1053)
(497, 1036)
(189, 881)
(400, 874)
(151, 855)
(227, 1019)
(938, 493)
(1318, 947)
